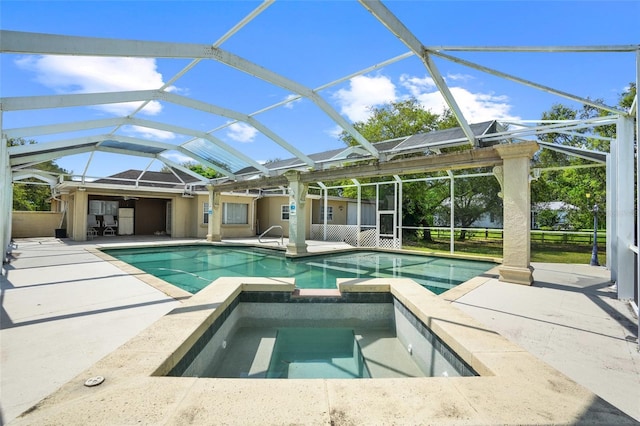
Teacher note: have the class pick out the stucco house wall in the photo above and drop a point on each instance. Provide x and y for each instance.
(182, 216)
(147, 204)
(186, 217)
(269, 213)
(27, 224)
(239, 230)
(339, 207)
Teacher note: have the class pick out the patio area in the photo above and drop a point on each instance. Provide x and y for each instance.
(64, 309)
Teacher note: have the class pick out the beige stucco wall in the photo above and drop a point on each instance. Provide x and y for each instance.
(78, 208)
(34, 224)
(187, 212)
(339, 211)
(197, 227)
(184, 222)
(269, 213)
(239, 231)
(183, 216)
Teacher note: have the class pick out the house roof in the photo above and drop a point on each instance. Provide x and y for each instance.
(177, 179)
(422, 142)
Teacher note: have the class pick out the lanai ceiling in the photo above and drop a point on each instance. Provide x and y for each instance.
(289, 126)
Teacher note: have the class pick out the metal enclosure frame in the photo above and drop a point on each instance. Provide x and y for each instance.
(205, 148)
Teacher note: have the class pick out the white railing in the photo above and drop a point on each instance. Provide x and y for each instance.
(363, 236)
(267, 231)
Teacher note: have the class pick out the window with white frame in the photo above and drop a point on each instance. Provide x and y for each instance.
(284, 212)
(100, 207)
(235, 213)
(329, 213)
(205, 213)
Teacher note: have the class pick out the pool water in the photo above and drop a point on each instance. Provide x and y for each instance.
(317, 353)
(194, 267)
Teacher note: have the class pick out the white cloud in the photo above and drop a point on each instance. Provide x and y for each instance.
(363, 93)
(291, 102)
(148, 132)
(242, 132)
(335, 132)
(177, 157)
(476, 107)
(459, 77)
(367, 92)
(81, 74)
(417, 85)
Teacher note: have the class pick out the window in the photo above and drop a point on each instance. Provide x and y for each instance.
(205, 213)
(235, 213)
(99, 207)
(329, 213)
(284, 212)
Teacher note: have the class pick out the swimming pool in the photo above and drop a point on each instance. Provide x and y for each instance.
(193, 267)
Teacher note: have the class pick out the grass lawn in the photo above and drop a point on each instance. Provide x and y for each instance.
(540, 252)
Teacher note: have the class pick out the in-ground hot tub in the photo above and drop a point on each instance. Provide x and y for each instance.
(513, 386)
(285, 334)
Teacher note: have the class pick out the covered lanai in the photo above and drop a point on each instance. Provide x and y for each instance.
(507, 149)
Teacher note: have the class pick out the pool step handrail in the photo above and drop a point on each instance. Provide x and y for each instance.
(267, 231)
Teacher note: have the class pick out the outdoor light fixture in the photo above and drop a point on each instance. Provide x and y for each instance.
(594, 250)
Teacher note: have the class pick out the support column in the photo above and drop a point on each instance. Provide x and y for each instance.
(358, 211)
(610, 216)
(452, 212)
(516, 252)
(6, 191)
(214, 229)
(80, 212)
(297, 213)
(624, 208)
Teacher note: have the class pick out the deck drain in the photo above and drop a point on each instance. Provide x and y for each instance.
(94, 381)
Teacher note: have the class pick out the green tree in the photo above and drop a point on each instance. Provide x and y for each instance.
(420, 203)
(30, 194)
(572, 185)
(207, 172)
(626, 98)
(394, 120)
(473, 198)
(204, 171)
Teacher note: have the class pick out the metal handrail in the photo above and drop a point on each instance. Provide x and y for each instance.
(270, 228)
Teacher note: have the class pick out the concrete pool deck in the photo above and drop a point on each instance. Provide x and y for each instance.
(64, 309)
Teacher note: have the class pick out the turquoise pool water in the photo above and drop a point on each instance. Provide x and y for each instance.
(316, 353)
(194, 267)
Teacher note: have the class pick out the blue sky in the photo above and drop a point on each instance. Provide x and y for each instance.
(314, 43)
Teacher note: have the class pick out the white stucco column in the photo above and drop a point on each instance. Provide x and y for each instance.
(516, 190)
(81, 210)
(214, 230)
(297, 213)
(623, 209)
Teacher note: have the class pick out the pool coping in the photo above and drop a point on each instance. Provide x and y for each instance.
(514, 386)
